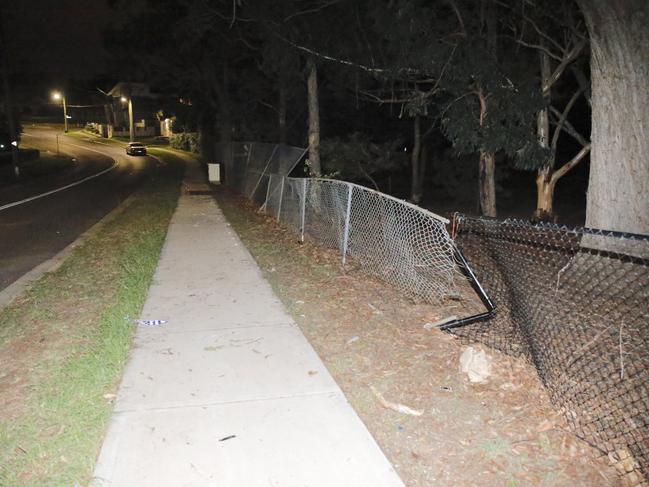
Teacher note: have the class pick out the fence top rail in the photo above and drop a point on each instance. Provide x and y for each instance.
(555, 227)
(387, 196)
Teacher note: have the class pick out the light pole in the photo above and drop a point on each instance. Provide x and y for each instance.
(131, 127)
(57, 95)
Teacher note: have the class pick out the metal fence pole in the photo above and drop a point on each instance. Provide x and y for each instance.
(347, 216)
(303, 209)
(264, 207)
(281, 196)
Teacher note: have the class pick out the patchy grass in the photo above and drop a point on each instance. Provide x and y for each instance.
(64, 343)
(502, 433)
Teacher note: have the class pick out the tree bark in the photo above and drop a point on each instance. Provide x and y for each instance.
(416, 183)
(618, 189)
(487, 162)
(225, 122)
(488, 184)
(207, 132)
(314, 118)
(544, 187)
(486, 170)
(281, 111)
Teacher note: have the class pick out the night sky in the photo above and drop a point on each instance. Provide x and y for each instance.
(57, 40)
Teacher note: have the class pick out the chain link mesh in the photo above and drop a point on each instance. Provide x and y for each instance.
(248, 165)
(398, 242)
(575, 302)
(401, 243)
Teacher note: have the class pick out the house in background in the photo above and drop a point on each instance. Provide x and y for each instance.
(150, 112)
(145, 107)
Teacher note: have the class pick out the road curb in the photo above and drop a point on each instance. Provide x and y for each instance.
(23, 283)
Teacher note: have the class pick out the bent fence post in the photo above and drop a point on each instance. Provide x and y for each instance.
(281, 197)
(347, 215)
(303, 217)
(264, 207)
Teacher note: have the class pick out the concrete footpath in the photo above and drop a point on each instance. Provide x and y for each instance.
(228, 392)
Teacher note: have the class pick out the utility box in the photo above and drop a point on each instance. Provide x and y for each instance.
(214, 173)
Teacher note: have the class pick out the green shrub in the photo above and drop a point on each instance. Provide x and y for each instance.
(187, 141)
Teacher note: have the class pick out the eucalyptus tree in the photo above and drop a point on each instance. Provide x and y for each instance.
(451, 59)
(618, 187)
(557, 33)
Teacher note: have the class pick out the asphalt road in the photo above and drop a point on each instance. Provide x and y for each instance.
(35, 231)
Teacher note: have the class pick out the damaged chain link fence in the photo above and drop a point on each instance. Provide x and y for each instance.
(400, 243)
(575, 303)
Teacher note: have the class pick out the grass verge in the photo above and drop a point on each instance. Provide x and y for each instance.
(63, 344)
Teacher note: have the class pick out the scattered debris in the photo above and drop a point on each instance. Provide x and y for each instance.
(353, 339)
(226, 438)
(375, 309)
(400, 408)
(150, 322)
(476, 364)
(313, 372)
(437, 324)
(299, 301)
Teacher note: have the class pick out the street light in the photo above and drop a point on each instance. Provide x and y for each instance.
(131, 127)
(56, 96)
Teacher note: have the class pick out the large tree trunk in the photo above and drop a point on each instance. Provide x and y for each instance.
(314, 118)
(544, 184)
(618, 190)
(487, 162)
(281, 112)
(208, 136)
(225, 121)
(416, 183)
(487, 180)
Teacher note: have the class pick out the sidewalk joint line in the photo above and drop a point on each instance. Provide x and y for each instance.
(336, 391)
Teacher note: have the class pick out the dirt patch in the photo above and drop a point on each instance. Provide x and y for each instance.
(504, 432)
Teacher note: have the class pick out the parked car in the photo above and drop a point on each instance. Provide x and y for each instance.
(136, 149)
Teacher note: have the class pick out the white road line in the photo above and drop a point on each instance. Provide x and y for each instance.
(68, 186)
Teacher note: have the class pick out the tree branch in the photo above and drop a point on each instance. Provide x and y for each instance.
(569, 129)
(457, 14)
(563, 170)
(568, 58)
(583, 82)
(539, 48)
(344, 62)
(311, 10)
(563, 118)
(543, 34)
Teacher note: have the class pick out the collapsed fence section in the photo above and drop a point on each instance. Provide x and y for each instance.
(249, 165)
(402, 244)
(575, 302)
